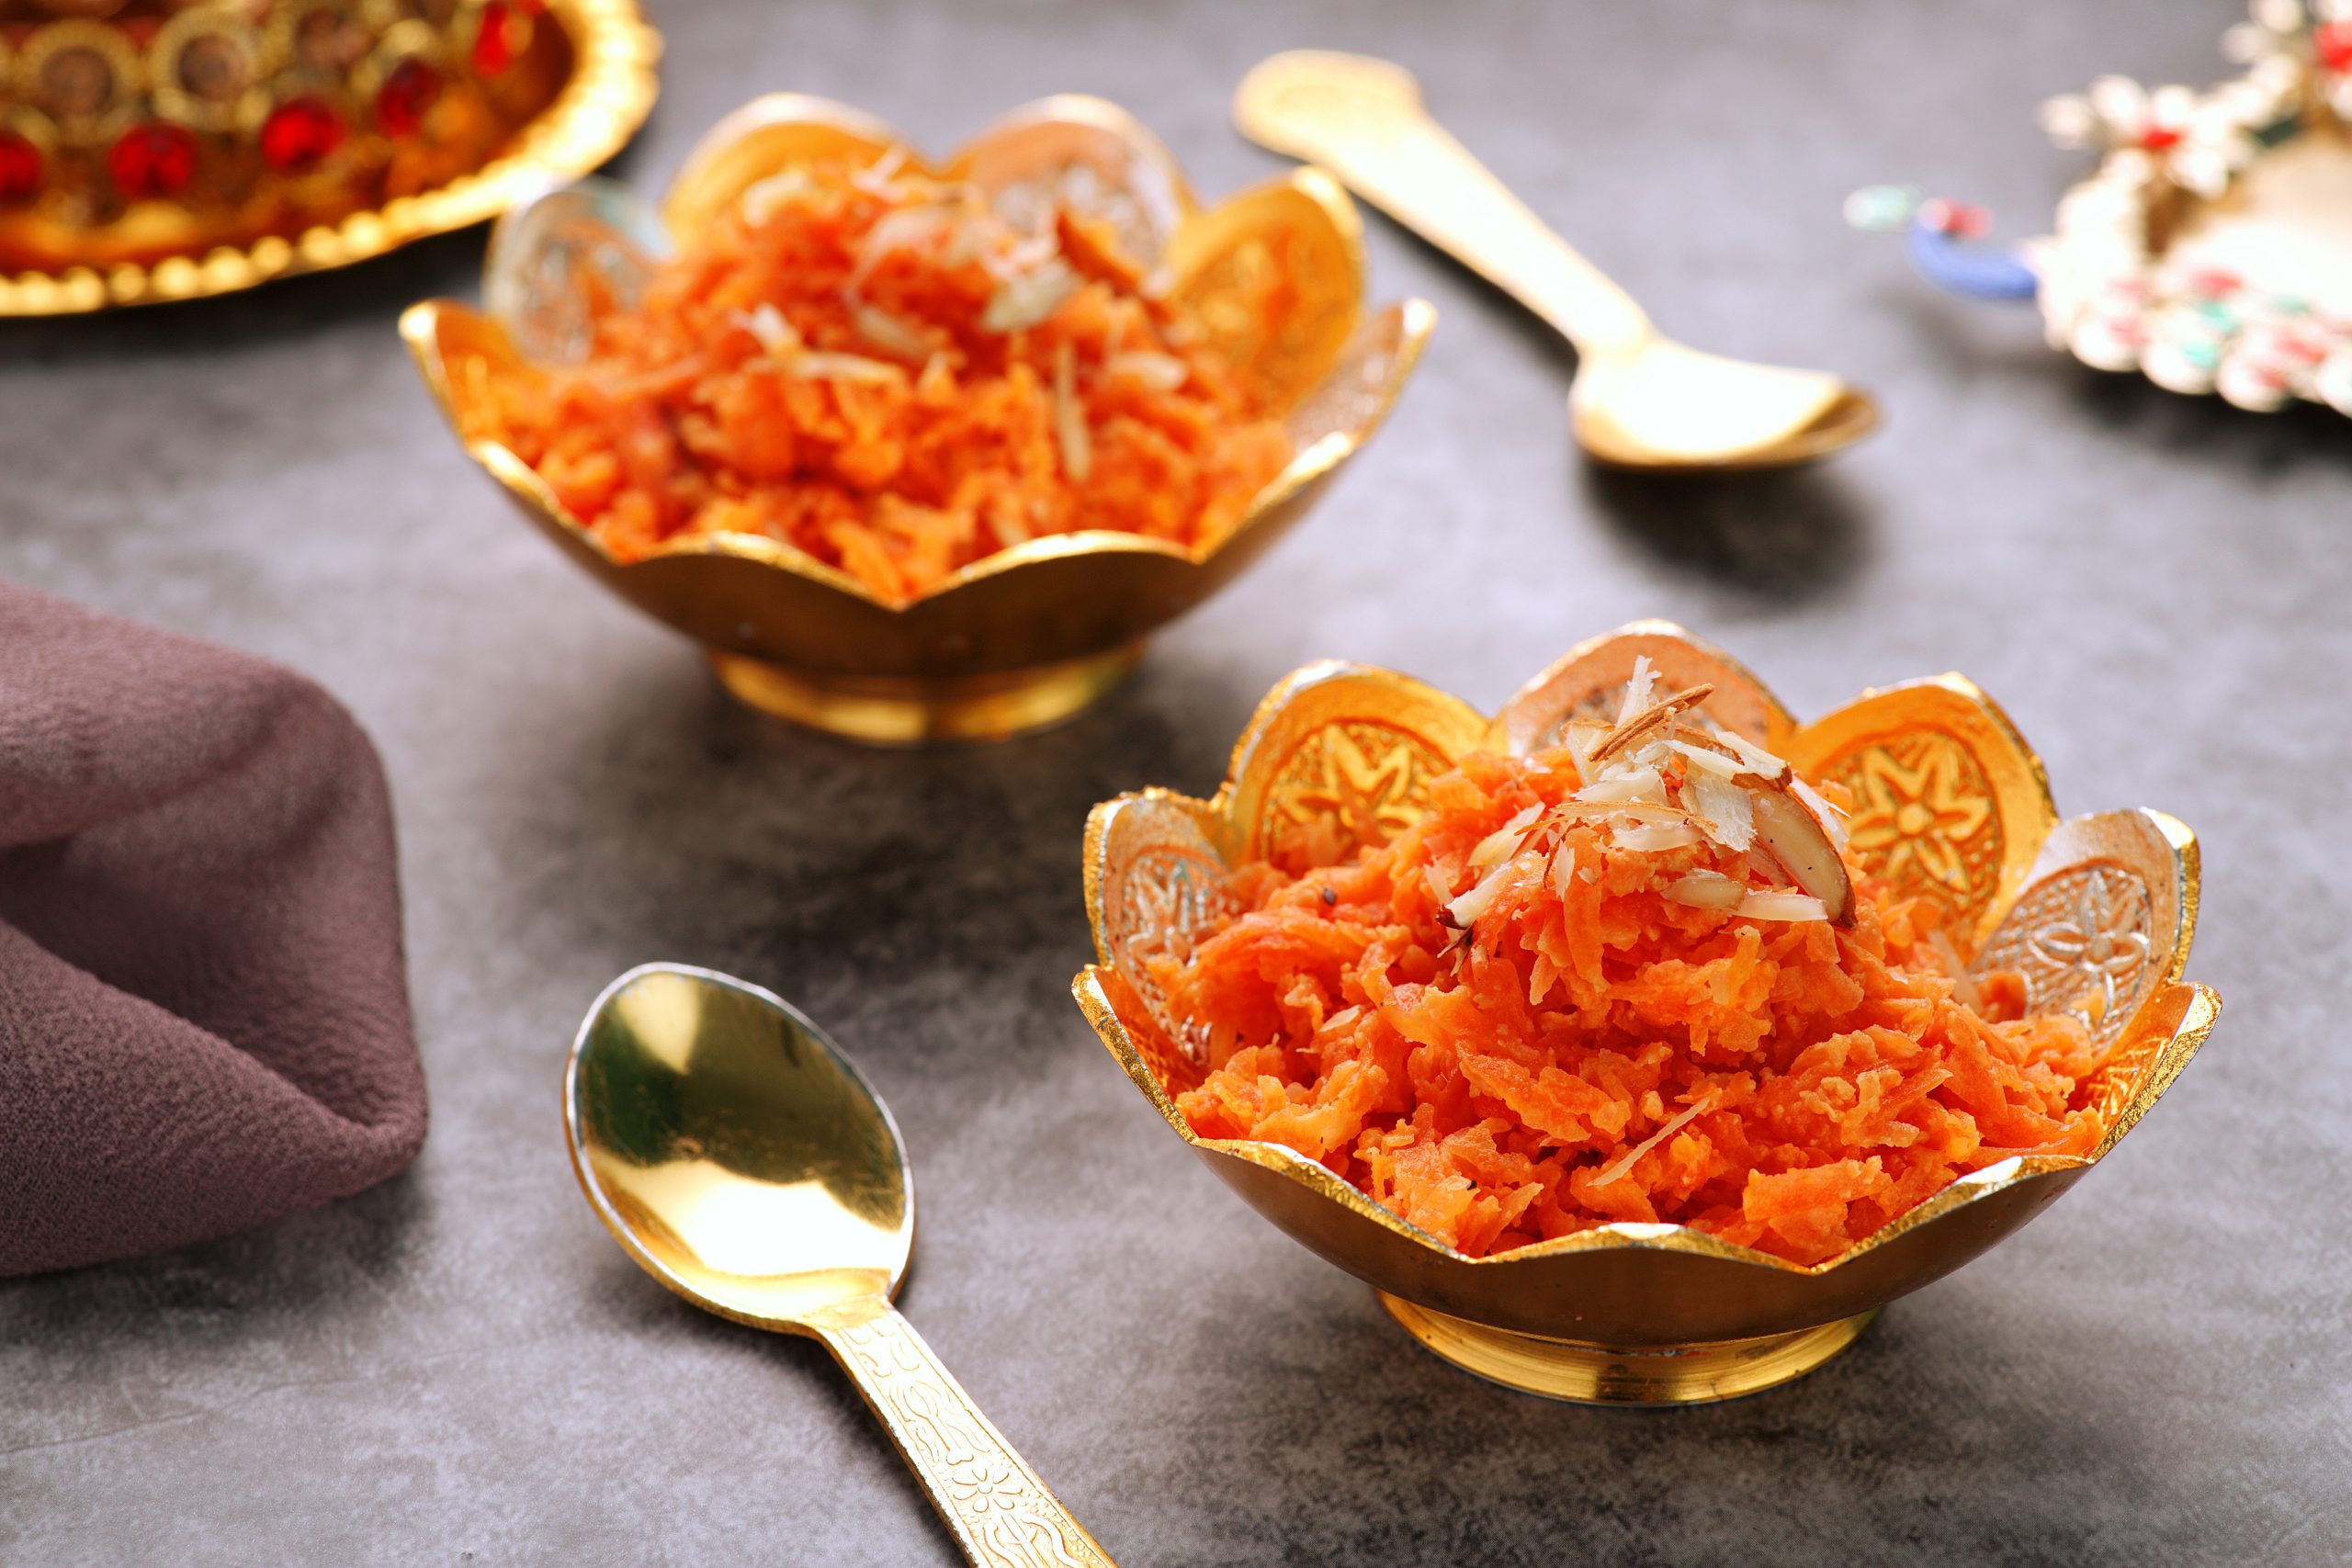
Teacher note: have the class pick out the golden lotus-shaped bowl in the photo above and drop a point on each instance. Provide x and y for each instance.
(1952, 805)
(1024, 636)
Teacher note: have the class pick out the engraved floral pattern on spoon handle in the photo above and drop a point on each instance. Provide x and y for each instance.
(1001, 1514)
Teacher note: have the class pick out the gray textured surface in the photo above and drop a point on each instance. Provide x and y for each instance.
(459, 1367)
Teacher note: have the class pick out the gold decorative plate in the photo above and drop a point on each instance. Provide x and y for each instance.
(2097, 912)
(1025, 637)
(579, 83)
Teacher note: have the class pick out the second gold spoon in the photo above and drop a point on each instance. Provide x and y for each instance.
(736, 1155)
(1641, 399)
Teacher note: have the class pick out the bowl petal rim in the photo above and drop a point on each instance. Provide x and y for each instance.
(2038, 808)
(1506, 724)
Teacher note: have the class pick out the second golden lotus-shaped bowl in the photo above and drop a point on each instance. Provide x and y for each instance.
(2096, 911)
(1027, 635)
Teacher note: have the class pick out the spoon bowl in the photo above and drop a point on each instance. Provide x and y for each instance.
(734, 1153)
(1666, 406)
(740, 1158)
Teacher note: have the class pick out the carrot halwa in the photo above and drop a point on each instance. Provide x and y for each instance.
(899, 376)
(1630, 977)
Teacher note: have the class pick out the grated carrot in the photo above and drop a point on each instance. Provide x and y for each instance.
(883, 371)
(1552, 1049)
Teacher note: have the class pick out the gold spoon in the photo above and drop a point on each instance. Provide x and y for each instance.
(733, 1151)
(1641, 399)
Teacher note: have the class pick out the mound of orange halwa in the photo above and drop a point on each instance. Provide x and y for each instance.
(898, 377)
(1629, 977)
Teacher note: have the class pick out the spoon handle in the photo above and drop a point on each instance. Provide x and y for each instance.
(1363, 120)
(1001, 1514)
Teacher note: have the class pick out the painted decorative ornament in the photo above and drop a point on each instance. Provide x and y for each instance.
(2212, 249)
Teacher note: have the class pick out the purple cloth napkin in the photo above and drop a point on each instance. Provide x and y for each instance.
(204, 1017)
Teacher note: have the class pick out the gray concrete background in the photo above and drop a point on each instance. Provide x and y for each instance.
(459, 1367)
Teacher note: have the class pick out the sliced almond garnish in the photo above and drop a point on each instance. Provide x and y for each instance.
(1626, 783)
(879, 177)
(761, 198)
(1764, 904)
(1787, 827)
(1726, 811)
(766, 323)
(1027, 297)
(907, 229)
(1624, 1161)
(888, 333)
(1650, 718)
(1564, 867)
(1640, 690)
(1707, 890)
(1636, 810)
(1833, 821)
(1759, 762)
(1069, 418)
(817, 366)
(1463, 912)
(1010, 529)
(1021, 255)
(1580, 736)
(1161, 372)
(1504, 841)
(1699, 750)
(1657, 837)
(1663, 785)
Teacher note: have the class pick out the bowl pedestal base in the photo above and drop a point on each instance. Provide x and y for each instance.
(1696, 1373)
(915, 710)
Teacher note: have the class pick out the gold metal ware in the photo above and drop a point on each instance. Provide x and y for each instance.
(741, 1160)
(1028, 636)
(1952, 805)
(1641, 399)
(218, 202)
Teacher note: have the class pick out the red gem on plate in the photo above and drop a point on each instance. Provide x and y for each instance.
(2157, 138)
(408, 91)
(500, 39)
(20, 164)
(2333, 42)
(300, 134)
(152, 162)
